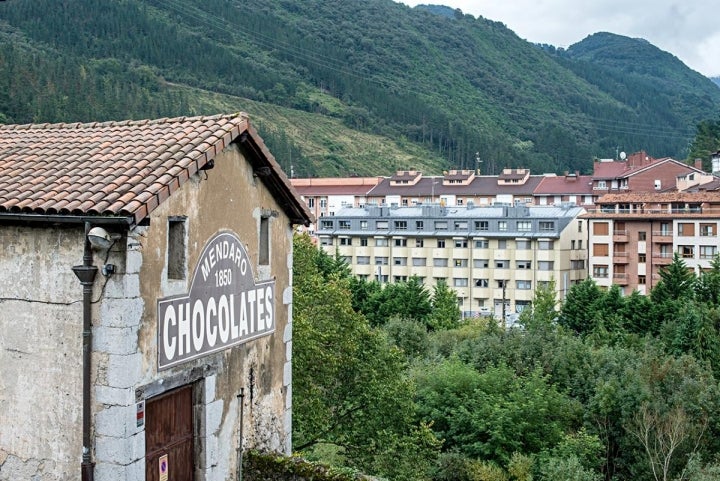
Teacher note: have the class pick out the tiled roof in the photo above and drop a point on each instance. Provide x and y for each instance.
(660, 197)
(118, 169)
(480, 185)
(621, 170)
(565, 185)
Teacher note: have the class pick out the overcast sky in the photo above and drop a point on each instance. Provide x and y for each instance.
(688, 29)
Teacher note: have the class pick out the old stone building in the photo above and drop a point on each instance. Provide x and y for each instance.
(145, 299)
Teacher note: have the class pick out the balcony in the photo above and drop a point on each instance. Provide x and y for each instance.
(620, 258)
(662, 258)
(662, 236)
(620, 236)
(620, 278)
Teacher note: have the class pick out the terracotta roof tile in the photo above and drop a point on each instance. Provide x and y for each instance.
(111, 168)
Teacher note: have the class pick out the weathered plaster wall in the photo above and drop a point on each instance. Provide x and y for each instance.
(228, 197)
(40, 353)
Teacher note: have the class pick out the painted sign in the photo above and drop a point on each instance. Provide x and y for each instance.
(163, 467)
(225, 306)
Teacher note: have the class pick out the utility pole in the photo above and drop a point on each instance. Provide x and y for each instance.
(503, 303)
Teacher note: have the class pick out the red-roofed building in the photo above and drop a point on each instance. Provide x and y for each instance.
(179, 232)
(631, 236)
(569, 188)
(638, 173)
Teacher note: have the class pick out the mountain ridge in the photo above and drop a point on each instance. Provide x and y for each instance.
(455, 88)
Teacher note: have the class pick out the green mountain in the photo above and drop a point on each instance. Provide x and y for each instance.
(353, 87)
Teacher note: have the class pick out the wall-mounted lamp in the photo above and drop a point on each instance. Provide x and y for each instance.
(99, 238)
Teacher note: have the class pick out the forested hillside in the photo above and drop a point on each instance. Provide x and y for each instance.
(424, 87)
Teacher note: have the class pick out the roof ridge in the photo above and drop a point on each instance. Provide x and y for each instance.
(122, 123)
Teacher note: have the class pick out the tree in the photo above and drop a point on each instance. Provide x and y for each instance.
(543, 313)
(350, 391)
(677, 282)
(445, 311)
(580, 310)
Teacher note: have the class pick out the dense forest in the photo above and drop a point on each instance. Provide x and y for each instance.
(389, 86)
(388, 381)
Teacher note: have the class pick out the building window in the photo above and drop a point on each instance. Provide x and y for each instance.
(502, 244)
(441, 225)
(400, 261)
(547, 265)
(381, 261)
(323, 203)
(580, 244)
(440, 262)
(601, 228)
(460, 243)
(482, 225)
(524, 264)
(401, 225)
(363, 242)
(311, 202)
(482, 244)
(665, 228)
(381, 224)
(345, 241)
(574, 264)
(547, 226)
(326, 224)
(419, 225)
(441, 243)
(419, 261)
(546, 245)
(642, 257)
(501, 283)
(580, 226)
(523, 285)
(601, 185)
(177, 248)
(502, 226)
(481, 263)
(686, 229)
(707, 230)
(708, 252)
(326, 241)
(502, 264)
(264, 240)
(400, 242)
(572, 244)
(641, 280)
(419, 243)
(363, 225)
(344, 224)
(600, 271)
(524, 226)
(461, 225)
(399, 279)
(522, 244)
(460, 282)
(460, 262)
(600, 250)
(381, 242)
(642, 235)
(363, 260)
(347, 259)
(687, 252)
(481, 283)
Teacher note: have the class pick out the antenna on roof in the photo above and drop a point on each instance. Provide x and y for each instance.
(477, 163)
(623, 155)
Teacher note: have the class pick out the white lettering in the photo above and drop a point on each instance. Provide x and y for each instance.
(251, 308)
(168, 320)
(234, 329)
(224, 318)
(269, 320)
(260, 297)
(243, 316)
(210, 330)
(184, 328)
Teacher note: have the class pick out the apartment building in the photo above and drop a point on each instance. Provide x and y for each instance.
(494, 257)
(633, 236)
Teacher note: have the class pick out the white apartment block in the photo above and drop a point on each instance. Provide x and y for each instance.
(493, 257)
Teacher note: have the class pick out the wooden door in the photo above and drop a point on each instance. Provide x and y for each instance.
(169, 436)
